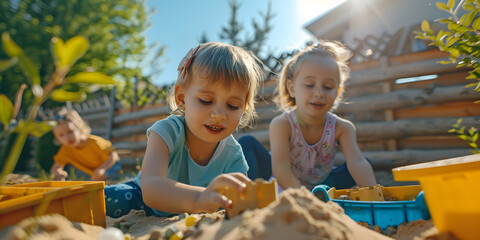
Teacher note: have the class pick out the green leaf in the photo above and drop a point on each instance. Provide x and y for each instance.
(451, 40)
(463, 137)
(38, 129)
(444, 62)
(57, 47)
(91, 77)
(472, 131)
(6, 111)
(425, 25)
(470, 17)
(445, 20)
(476, 24)
(10, 47)
(451, 4)
(75, 48)
(475, 137)
(66, 54)
(442, 6)
(468, 7)
(29, 69)
(60, 95)
(473, 145)
(6, 64)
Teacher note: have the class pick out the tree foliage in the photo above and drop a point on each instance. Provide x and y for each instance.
(462, 42)
(115, 30)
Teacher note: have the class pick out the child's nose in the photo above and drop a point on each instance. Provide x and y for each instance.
(318, 92)
(218, 113)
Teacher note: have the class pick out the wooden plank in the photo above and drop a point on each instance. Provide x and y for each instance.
(436, 142)
(130, 145)
(392, 159)
(400, 71)
(452, 109)
(446, 79)
(164, 110)
(131, 130)
(402, 59)
(408, 98)
(410, 127)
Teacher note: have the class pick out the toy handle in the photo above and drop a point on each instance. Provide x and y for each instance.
(320, 191)
(422, 205)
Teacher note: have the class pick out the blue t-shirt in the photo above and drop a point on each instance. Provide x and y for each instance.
(227, 158)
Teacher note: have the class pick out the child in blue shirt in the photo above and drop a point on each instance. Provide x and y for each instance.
(192, 157)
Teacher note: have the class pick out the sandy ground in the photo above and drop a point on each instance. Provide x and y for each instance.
(297, 214)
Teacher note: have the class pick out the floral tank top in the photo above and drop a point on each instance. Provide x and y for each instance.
(311, 164)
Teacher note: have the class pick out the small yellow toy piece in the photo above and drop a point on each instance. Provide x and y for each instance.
(190, 221)
(370, 193)
(259, 194)
(176, 236)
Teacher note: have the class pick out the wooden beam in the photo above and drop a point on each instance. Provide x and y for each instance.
(392, 159)
(131, 130)
(399, 71)
(160, 111)
(410, 127)
(408, 98)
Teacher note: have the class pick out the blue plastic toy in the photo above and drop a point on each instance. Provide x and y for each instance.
(407, 208)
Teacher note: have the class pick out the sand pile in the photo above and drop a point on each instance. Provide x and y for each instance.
(50, 227)
(298, 214)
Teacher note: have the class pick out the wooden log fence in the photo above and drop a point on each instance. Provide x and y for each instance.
(387, 115)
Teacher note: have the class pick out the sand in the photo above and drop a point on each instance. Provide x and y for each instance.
(297, 214)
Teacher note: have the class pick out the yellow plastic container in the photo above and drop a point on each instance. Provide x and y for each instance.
(450, 192)
(79, 201)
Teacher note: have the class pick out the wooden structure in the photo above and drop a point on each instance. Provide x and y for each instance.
(397, 123)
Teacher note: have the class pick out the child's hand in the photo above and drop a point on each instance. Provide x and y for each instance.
(60, 175)
(99, 175)
(212, 198)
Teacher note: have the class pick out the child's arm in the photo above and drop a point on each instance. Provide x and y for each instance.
(57, 171)
(357, 165)
(280, 150)
(99, 173)
(160, 192)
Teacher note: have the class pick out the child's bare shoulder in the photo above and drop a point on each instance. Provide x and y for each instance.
(344, 125)
(279, 121)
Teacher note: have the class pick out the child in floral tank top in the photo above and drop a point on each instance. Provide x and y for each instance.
(303, 138)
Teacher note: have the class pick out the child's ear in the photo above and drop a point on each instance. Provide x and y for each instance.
(180, 96)
(290, 88)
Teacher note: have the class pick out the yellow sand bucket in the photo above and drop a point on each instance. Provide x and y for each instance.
(450, 192)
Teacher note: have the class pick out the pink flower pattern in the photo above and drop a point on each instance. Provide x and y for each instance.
(311, 164)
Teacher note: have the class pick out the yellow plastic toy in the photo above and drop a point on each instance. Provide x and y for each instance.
(79, 201)
(449, 192)
(259, 194)
(370, 193)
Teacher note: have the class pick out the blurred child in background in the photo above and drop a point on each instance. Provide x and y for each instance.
(91, 156)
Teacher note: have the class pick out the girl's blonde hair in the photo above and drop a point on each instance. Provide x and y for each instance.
(73, 116)
(230, 65)
(334, 50)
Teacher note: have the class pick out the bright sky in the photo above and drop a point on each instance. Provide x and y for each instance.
(179, 24)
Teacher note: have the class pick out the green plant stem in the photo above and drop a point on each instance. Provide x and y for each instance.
(14, 154)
